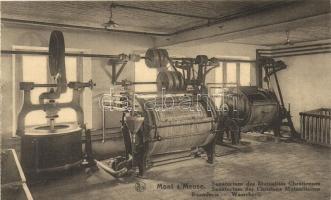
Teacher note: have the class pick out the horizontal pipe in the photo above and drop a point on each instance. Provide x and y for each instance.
(219, 59)
(218, 87)
(9, 52)
(136, 83)
(45, 85)
(235, 60)
(214, 83)
(301, 54)
(296, 50)
(20, 21)
(295, 47)
(66, 54)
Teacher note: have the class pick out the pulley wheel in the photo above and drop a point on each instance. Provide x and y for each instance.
(175, 78)
(183, 82)
(156, 58)
(164, 57)
(201, 60)
(56, 53)
(56, 59)
(180, 78)
(165, 80)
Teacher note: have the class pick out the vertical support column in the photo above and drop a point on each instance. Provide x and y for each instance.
(224, 72)
(113, 72)
(238, 73)
(258, 70)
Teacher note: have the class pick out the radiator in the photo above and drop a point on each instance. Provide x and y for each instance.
(315, 126)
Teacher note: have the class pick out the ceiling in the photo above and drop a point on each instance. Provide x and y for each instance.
(161, 18)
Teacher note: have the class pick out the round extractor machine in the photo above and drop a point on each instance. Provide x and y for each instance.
(49, 149)
(52, 147)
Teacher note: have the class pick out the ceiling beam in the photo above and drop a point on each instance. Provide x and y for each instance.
(294, 15)
(114, 5)
(243, 13)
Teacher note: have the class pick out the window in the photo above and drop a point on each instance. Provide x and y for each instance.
(231, 72)
(245, 74)
(234, 71)
(142, 73)
(35, 69)
(68, 114)
(213, 88)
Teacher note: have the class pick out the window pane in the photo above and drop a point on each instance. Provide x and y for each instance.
(36, 117)
(143, 73)
(71, 73)
(245, 75)
(35, 70)
(219, 74)
(231, 72)
(218, 79)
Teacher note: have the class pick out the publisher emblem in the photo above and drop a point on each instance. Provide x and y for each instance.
(140, 186)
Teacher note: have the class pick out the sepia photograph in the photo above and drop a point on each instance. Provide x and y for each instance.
(165, 100)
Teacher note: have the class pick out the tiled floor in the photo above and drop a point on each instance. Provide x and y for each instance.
(258, 161)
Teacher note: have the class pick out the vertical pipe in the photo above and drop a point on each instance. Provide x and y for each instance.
(309, 129)
(323, 130)
(328, 130)
(313, 129)
(103, 123)
(320, 138)
(303, 133)
(318, 130)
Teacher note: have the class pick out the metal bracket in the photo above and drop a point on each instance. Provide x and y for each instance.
(115, 75)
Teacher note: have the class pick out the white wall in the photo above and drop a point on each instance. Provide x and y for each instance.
(306, 83)
(94, 42)
(215, 49)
